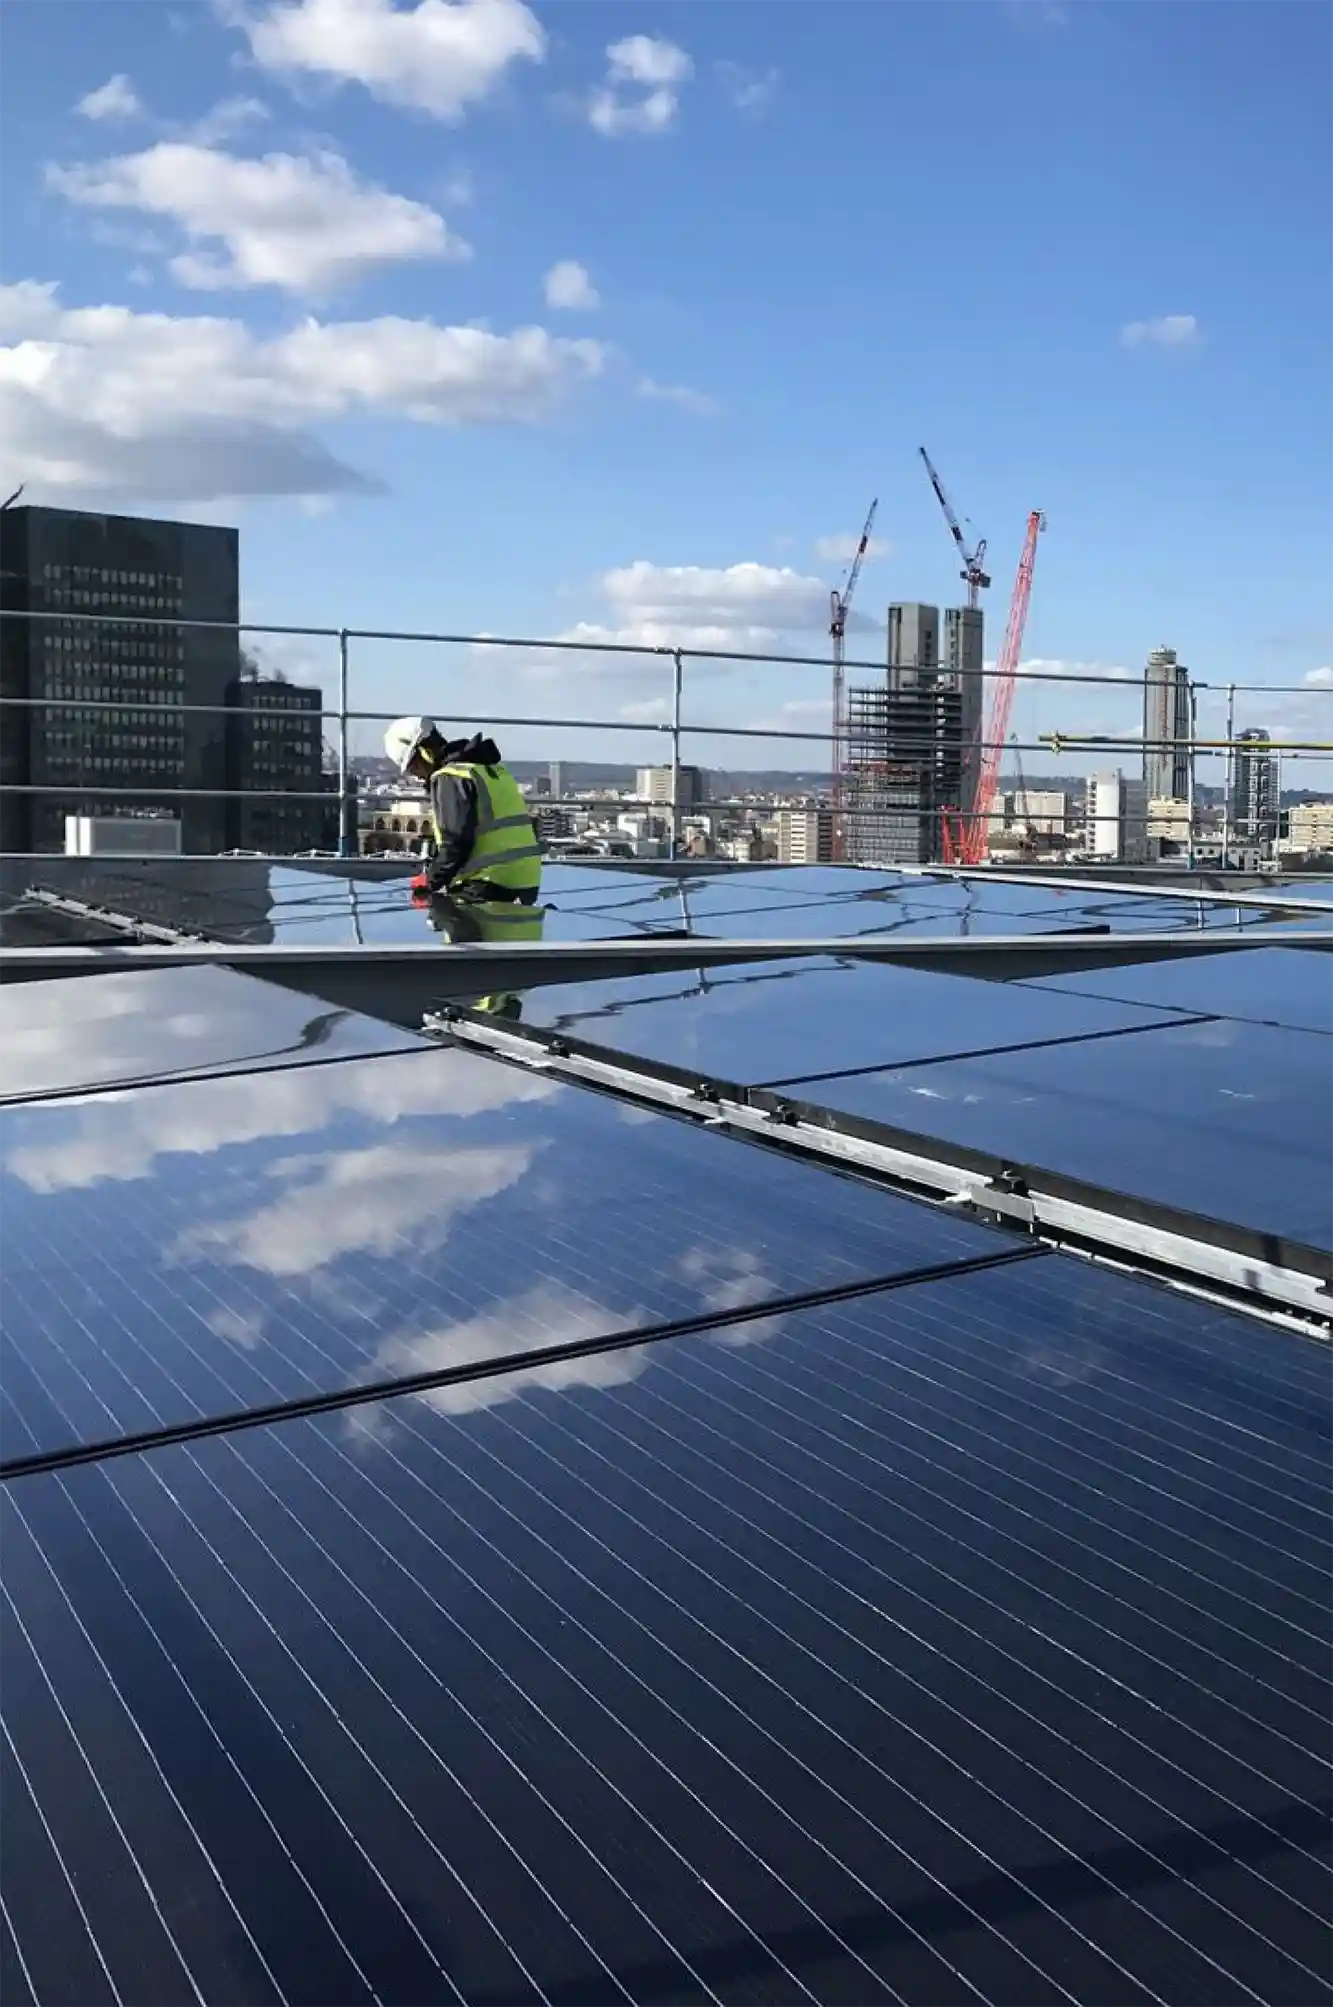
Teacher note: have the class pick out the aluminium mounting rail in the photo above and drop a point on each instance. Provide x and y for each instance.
(1283, 1281)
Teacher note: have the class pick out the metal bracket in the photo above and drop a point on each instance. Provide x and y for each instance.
(1101, 1226)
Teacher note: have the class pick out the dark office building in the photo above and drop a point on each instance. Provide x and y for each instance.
(137, 574)
(275, 746)
(1256, 787)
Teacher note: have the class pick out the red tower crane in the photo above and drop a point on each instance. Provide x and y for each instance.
(975, 833)
(840, 602)
(973, 575)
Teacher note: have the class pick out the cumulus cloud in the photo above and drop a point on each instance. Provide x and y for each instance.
(440, 56)
(751, 91)
(1320, 679)
(115, 99)
(569, 289)
(303, 223)
(697, 402)
(756, 600)
(1171, 331)
(226, 118)
(743, 608)
(642, 89)
(842, 548)
(106, 400)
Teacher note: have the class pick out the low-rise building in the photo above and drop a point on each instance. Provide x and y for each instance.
(1310, 828)
(804, 835)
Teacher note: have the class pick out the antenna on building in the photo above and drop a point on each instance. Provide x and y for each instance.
(10, 500)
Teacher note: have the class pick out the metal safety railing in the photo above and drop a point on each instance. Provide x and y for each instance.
(672, 726)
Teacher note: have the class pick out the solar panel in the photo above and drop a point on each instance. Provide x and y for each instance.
(783, 1020)
(1270, 985)
(192, 1250)
(967, 1642)
(1223, 1117)
(129, 1025)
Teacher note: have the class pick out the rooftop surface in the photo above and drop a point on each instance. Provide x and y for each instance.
(470, 1537)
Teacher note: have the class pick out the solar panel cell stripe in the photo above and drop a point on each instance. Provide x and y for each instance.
(1205, 1548)
(131, 1789)
(1210, 1615)
(941, 1780)
(458, 1572)
(825, 1562)
(352, 1883)
(643, 1752)
(747, 1718)
(1040, 1626)
(344, 1749)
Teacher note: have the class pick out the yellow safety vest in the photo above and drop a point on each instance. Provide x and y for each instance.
(505, 850)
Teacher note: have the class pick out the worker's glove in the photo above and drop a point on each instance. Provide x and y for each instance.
(421, 892)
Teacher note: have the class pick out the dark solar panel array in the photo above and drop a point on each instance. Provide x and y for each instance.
(135, 1025)
(772, 1021)
(192, 1250)
(245, 900)
(894, 1629)
(1228, 1119)
(968, 1642)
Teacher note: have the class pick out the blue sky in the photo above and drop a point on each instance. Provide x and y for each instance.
(1079, 248)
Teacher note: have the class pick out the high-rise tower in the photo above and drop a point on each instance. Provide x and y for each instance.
(1166, 718)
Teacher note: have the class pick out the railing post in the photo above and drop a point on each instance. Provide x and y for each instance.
(346, 809)
(677, 685)
(1229, 781)
(1189, 774)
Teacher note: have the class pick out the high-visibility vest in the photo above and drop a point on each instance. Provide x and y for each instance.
(505, 850)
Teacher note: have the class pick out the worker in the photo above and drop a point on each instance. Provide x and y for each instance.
(485, 847)
(463, 921)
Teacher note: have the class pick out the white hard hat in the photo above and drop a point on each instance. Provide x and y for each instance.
(403, 738)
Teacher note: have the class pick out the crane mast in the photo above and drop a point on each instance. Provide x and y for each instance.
(975, 830)
(974, 575)
(840, 601)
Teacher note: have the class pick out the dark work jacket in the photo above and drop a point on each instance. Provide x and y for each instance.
(453, 804)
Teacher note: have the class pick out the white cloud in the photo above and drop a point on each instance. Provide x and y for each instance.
(748, 90)
(304, 223)
(115, 99)
(1319, 678)
(121, 1136)
(226, 118)
(697, 402)
(613, 117)
(546, 1316)
(392, 1196)
(1171, 331)
(743, 607)
(105, 400)
(440, 56)
(568, 288)
(639, 63)
(643, 59)
(755, 599)
(841, 549)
